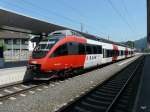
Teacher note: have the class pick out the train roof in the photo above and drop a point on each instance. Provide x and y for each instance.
(97, 38)
(85, 35)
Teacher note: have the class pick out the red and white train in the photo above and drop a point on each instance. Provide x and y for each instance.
(66, 50)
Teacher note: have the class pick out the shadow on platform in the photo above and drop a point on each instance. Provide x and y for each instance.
(14, 64)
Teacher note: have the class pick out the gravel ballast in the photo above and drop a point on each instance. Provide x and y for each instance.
(60, 93)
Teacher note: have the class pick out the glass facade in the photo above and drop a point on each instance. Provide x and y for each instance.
(16, 49)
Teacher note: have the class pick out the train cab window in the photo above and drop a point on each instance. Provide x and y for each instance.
(94, 49)
(88, 49)
(81, 49)
(99, 49)
(60, 51)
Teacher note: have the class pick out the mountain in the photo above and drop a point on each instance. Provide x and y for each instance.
(141, 43)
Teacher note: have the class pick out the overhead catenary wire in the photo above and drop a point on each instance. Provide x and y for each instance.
(62, 16)
(77, 22)
(120, 15)
(50, 11)
(20, 7)
(81, 14)
(131, 19)
(33, 11)
(128, 14)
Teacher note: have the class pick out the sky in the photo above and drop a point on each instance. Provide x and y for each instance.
(118, 20)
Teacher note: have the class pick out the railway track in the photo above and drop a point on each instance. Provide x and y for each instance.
(13, 90)
(20, 88)
(115, 95)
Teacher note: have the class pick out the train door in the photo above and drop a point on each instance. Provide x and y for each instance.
(95, 55)
(60, 57)
(73, 54)
(99, 55)
(90, 57)
(126, 52)
(104, 56)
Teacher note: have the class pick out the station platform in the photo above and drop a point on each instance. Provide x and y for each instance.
(11, 64)
(12, 72)
(11, 75)
(143, 98)
(58, 94)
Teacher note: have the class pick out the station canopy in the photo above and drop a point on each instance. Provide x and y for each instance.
(12, 21)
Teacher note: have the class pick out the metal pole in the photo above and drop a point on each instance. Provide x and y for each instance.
(20, 49)
(81, 27)
(148, 24)
(12, 49)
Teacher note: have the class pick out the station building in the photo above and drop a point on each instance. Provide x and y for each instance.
(16, 45)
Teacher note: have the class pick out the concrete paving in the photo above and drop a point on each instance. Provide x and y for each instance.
(12, 75)
(11, 64)
(143, 99)
(58, 94)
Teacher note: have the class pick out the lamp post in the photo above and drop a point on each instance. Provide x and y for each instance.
(148, 24)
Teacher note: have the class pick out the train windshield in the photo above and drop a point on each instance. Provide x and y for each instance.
(42, 48)
(45, 45)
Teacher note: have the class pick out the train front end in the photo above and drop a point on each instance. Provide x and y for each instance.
(51, 56)
(39, 59)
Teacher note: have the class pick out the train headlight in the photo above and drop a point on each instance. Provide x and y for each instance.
(34, 62)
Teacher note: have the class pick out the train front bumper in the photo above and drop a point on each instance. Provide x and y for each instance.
(40, 75)
(34, 67)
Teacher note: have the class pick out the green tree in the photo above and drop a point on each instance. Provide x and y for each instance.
(147, 50)
(130, 44)
(2, 44)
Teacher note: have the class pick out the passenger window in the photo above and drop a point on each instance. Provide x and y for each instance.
(61, 51)
(121, 52)
(88, 49)
(81, 49)
(99, 49)
(108, 53)
(94, 49)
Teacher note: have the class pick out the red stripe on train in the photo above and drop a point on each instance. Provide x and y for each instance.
(115, 49)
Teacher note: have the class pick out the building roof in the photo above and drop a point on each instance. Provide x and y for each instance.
(28, 24)
(13, 21)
